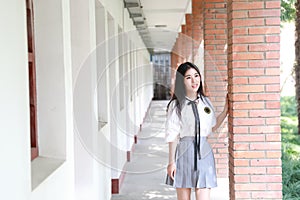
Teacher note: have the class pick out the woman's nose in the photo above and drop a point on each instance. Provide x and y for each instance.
(193, 79)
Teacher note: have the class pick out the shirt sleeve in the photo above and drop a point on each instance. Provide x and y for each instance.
(173, 124)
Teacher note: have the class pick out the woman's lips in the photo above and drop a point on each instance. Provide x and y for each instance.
(195, 86)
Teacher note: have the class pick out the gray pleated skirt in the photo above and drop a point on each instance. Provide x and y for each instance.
(186, 176)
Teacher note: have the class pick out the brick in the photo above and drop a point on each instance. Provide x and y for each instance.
(239, 80)
(272, 71)
(273, 137)
(274, 170)
(248, 39)
(264, 30)
(264, 129)
(274, 120)
(239, 14)
(215, 21)
(265, 178)
(247, 88)
(247, 105)
(264, 63)
(267, 195)
(214, 31)
(248, 72)
(249, 170)
(221, 16)
(221, 26)
(265, 146)
(240, 31)
(274, 186)
(240, 48)
(240, 129)
(240, 97)
(273, 54)
(239, 64)
(248, 56)
(264, 113)
(264, 13)
(247, 5)
(264, 97)
(274, 154)
(221, 5)
(249, 154)
(273, 105)
(247, 138)
(241, 146)
(273, 88)
(264, 47)
(273, 21)
(240, 114)
(242, 195)
(216, 42)
(264, 80)
(247, 22)
(250, 186)
(273, 38)
(241, 178)
(273, 4)
(266, 162)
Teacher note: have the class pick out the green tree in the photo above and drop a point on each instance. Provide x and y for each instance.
(288, 10)
(297, 65)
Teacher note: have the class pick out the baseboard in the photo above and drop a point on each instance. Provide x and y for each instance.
(117, 182)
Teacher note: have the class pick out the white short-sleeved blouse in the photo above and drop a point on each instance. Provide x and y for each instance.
(176, 127)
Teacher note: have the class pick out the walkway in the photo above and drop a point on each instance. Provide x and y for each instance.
(146, 172)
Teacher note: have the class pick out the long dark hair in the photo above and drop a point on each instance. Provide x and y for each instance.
(179, 90)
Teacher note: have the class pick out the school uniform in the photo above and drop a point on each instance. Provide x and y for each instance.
(195, 164)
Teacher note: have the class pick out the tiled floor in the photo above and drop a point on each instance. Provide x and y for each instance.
(146, 172)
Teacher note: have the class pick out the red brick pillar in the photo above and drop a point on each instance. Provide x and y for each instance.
(215, 72)
(189, 37)
(182, 39)
(174, 65)
(197, 30)
(254, 88)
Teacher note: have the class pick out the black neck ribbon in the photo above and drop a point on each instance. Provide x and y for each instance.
(197, 131)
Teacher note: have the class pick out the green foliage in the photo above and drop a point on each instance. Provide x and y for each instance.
(288, 10)
(288, 106)
(290, 177)
(290, 149)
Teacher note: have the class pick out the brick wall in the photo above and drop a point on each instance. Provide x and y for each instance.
(251, 31)
(215, 71)
(254, 121)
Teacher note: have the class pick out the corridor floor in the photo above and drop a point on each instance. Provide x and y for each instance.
(146, 171)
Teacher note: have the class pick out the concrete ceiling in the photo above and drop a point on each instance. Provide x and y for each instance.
(158, 21)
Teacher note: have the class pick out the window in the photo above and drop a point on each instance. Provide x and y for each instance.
(32, 79)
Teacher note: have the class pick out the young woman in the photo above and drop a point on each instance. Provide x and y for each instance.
(190, 120)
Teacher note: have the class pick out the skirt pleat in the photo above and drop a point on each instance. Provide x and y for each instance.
(186, 176)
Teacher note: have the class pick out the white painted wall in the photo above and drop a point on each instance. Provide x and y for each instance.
(14, 103)
(54, 100)
(67, 32)
(16, 172)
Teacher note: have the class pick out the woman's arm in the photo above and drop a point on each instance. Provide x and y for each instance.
(221, 116)
(171, 166)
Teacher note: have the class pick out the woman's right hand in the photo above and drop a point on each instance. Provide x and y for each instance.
(171, 170)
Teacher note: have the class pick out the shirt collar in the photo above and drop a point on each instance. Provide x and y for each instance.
(198, 97)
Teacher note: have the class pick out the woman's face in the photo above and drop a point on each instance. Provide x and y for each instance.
(191, 81)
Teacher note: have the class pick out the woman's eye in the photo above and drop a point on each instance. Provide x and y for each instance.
(188, 77)
(196, 75)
